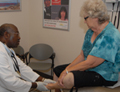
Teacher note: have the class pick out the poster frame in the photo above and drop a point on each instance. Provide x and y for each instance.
(54, 22)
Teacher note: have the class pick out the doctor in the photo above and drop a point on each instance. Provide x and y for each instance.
(15, 76)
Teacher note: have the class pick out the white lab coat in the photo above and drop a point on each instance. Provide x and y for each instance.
(9, 79)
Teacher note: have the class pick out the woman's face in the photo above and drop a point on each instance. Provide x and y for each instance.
(63, 14)
(92, 23)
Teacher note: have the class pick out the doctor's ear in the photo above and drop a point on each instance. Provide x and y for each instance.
(6, 35)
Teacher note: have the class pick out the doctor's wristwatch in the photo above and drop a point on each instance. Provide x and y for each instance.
(43, 79)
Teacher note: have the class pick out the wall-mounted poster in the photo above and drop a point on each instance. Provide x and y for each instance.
(10, 5)
(56, 14)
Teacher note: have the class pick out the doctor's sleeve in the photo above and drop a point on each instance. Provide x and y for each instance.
(26, 72)
(7, 78)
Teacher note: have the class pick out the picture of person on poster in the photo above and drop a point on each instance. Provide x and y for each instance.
(63, 14)
(47, 9)
(56, 14)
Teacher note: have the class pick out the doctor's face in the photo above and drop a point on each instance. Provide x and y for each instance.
(13, 37)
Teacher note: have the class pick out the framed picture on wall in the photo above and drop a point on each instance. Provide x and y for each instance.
(56, 14)
(10, 5)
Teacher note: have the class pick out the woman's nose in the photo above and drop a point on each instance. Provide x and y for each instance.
(84, 21)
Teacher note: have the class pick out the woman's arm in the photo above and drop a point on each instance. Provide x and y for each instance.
(90, 62)
(79, 59)
(80, 64)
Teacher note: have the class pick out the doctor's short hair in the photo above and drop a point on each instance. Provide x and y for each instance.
(5, 27)
(95, 9)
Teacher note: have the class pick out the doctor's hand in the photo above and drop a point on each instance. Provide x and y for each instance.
(41, 86)
(49, 81)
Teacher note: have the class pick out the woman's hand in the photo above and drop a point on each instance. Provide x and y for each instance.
(60, 79)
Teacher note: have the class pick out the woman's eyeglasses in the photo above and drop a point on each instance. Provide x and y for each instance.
(86, 17)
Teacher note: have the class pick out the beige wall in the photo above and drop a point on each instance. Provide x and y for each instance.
(66, 44)
(21, 20)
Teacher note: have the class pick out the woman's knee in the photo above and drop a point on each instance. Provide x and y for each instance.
(68, 80)
(55, 77)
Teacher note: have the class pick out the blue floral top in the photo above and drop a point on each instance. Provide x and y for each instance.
(106, 46)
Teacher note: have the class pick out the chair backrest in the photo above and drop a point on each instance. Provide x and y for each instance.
(19, 50)
(41, 51)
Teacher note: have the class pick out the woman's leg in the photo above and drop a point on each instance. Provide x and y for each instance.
(68, 82)
(56, 78)
(81, 79)
(57, 71)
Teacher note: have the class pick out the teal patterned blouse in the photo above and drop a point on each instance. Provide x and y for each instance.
(106, 46)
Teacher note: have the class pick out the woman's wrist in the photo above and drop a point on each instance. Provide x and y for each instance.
(66, 71)
(43, 79)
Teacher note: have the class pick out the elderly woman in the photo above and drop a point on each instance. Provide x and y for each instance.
(99, 61)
